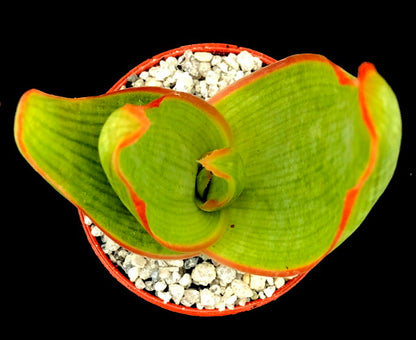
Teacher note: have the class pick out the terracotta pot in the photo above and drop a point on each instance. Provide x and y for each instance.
(214, 48)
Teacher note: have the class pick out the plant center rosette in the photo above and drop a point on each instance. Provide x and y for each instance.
(268, 176)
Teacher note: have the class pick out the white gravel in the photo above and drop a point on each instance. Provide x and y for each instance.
(198, 282)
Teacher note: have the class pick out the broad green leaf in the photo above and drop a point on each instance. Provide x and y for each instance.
(59, 138)
(150, 154)
(314, 165)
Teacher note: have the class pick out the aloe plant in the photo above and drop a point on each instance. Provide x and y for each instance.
(269, 176)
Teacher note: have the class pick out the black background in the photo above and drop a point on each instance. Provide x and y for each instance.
(53, 281)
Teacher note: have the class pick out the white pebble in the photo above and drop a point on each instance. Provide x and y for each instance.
(109, 245)
(207, 299)
(160, 286)
(184, 82)
(176, 276)
(204, 273)
(204, 68)
(269, 291)
(138, 261)
(279, 282)
(230, 301)
(257, 282)
(140, 284)
(203, 56)
(241, 289)
(138, 83)
(165, 296)
(87, 220)
(96, 232)
(144, 75)
(150, 81)
(185, 280)
(174, 263)
(190, 297)
(176, 291)
(133, 273)
(226, 274)
(212, 78)
(246, 61)
(231, 60)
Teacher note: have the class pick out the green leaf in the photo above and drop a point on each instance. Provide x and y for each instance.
(59, 138)
(304, 134)
(150, 154)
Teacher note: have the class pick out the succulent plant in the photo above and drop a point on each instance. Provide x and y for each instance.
(268, 176)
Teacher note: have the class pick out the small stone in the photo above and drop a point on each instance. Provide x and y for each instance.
(149, 286)
(279, 282)
(246, 278)
(174, 263)
(257, 63)
(171, 62)
(190, 297)
(241, 289)
(242, 301)
(246, 61)
(176, 276)
(160, 286)
(185, 280)
(147, 271)
(164, 273)
(165, 296)
(191, 262)
(150, 81)
(132, 78)
(109, 245)
(133, 273)
(87, 220)
(239, 75)
(204, 68)
(176, 291)
(231, 60)
(212, 78)
(212, 90)
(96, 232)
(155, 275)
(216, 59)
(140, 284)
(225, 274)
(138, 261)
(138, 83)
(230, 301)
(216, 289)
(257, 282)
(207, 299)
(184, 82)
(204, 273)
(144, 75)
(270, 280)
(203, 56)
(269, 291)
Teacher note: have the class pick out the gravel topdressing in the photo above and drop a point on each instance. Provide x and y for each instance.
(198, 282)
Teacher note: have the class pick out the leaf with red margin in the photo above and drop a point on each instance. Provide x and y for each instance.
(150, 154)
(59, 138)
(317, 156)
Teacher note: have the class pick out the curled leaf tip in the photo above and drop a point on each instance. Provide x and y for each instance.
(220, 179)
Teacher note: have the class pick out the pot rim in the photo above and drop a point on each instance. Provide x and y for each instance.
(215, 48)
